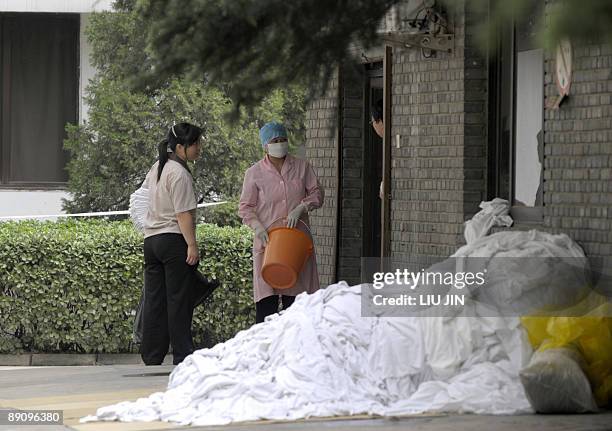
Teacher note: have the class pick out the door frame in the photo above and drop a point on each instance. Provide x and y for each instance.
(385, 235)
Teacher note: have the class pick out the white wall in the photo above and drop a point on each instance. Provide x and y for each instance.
(86, 70)
(31, 202)
(66, 6)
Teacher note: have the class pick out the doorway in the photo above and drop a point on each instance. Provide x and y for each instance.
(372, 164)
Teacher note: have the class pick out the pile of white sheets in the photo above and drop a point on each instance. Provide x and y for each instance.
(321, 358)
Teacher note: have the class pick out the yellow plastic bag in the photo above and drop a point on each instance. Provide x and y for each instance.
(590, 334)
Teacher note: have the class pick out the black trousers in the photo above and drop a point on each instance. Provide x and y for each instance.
(269, 305)
(169, 296)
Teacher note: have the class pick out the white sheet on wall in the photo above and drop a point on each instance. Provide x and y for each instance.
(529, 119)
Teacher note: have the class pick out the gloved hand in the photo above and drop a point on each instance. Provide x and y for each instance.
(261, 233)
(295, 214)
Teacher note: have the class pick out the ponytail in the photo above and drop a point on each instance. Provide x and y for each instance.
(163, 157)
(182, 133)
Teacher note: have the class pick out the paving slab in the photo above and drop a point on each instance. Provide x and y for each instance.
(19, 383)
(118, 359)
(16, 360)
(79, 391)
(68, 359)
(50, 359)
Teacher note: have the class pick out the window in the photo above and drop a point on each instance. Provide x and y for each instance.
(38, 93)
(516, 117)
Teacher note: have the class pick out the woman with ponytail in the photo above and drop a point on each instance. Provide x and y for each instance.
(170, 248)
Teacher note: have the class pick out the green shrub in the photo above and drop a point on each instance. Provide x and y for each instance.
(73, 286)
(222, 215)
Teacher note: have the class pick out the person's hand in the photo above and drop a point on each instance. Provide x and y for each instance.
(193, 254)
(381, 193)
(262, 234)
(295, 214)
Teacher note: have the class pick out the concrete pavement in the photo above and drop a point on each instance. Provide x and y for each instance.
(79, 391)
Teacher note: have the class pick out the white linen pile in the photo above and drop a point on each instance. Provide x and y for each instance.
(321, 358)
(493, 213)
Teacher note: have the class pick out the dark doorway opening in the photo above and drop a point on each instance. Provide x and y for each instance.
(373, 164)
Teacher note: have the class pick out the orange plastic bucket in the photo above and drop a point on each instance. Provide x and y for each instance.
(286, 253)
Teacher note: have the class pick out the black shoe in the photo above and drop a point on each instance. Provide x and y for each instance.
(203, 289)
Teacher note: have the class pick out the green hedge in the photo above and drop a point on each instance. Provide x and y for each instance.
(73, 286)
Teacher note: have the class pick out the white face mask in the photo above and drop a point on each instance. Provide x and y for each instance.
(278, 149)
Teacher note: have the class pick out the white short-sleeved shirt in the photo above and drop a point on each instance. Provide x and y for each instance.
(172, 194)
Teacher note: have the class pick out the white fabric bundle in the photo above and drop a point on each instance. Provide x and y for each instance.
(494, 213)
(139, 205)
(321, 358)
(528, 270)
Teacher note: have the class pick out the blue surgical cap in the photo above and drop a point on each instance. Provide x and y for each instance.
(270, 131)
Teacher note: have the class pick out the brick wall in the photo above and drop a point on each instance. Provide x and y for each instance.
(351, 192)
(427, 176)
(475, 111)
(321, 152)
(439, 110)
(578, 152)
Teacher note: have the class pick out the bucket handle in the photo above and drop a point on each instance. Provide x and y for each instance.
(280, 218)
(300, 220)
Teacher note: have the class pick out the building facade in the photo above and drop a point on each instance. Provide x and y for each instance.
(461, 127)
(45, 69)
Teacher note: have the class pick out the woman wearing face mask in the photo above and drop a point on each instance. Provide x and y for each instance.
(278, 187)
(170, 248)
